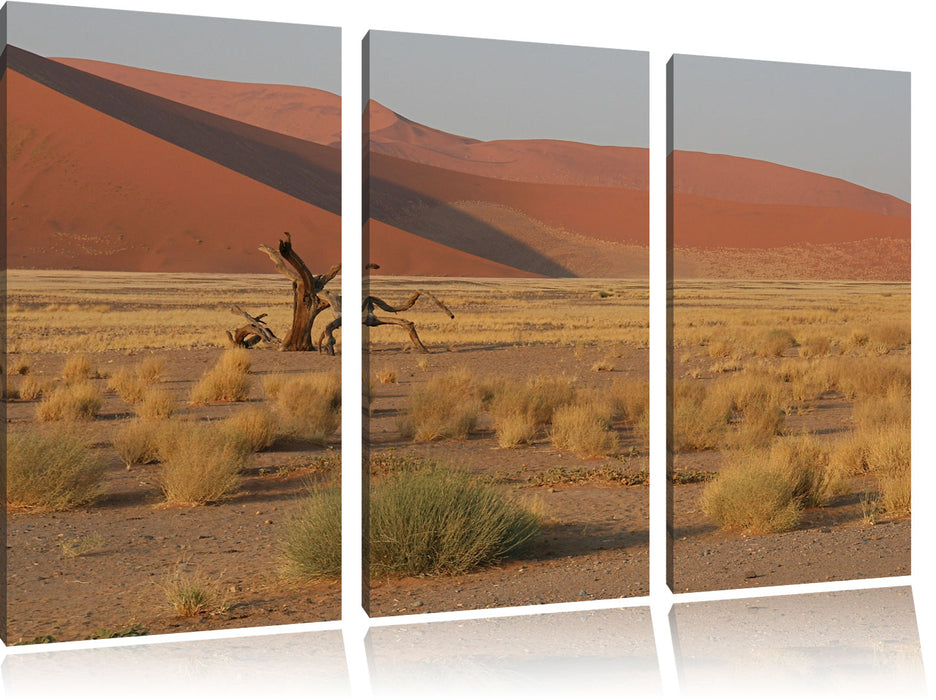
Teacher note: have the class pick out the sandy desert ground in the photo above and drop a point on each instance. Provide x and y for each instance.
(839, 378)
(594, 541)
(119, 321)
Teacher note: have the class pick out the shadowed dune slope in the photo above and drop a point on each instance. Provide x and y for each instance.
(442, 205)
(89, 191)
(305, 113)
(402, 253)
(304, 170)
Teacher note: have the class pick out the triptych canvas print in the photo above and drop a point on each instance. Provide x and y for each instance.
(173, 310)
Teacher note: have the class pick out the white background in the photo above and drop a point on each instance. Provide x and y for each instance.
(894, 35)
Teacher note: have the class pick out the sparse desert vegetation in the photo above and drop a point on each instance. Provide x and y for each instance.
(536, 391)
(813, 425)
(115, 473)
(51, 471)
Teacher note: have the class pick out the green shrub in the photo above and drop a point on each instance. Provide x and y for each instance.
(311, 541)
(434, 520)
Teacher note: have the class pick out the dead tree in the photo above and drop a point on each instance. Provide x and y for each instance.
(309, 299)
(251, 332)
(371, 320)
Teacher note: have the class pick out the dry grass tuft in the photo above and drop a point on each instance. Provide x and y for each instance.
(272, 383)
(227, 381)
(201, 463)
(31, 388)
(151, 369)
(137, 442)
(585, 429)
(700, 417)
(386, 376)
(78, 401)
(766, 490)
(751, 494)
(77, 368)
(157, 404)
(446, 406)
(255, 426)
(51, 471)
(309, 406)
(774, 343)
(815, 346)
(80, 546)
(193, 594)
(128, 385)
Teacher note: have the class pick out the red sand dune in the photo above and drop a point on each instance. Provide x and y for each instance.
(436, 204)
(87, 191)
(733, 179)
(532, 160)
(737, 217)
(402, 253)
(306, 113)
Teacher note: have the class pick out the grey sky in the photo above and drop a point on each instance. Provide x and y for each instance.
(849, 123)
(224, 49)
(487, 89)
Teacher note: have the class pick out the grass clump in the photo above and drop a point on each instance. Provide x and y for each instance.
(129, 386)
(77, 368)
(193, 594)
(157, 404)
(310, 545)
(585, 429)
(77, 401)
(51, 471)
(752, 495)
(766, 490)
(432, 520)
(254, 426)
(309, 406)
(151, 369)
(80, 546)
(201, 463)
(446, 406)
(386, 376)
(774, 343)
(137, 442)
(227, 381)
(700, 417)
(31, 388)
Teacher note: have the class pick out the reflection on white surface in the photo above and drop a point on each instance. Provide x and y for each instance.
(552, 654)
(300, 665)
(857, 642)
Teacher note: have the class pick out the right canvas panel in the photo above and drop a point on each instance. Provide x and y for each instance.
(789, 323)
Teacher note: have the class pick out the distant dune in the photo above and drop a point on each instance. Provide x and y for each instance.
(742, 218)
(533, 160)
(103, 180)
(306, 113)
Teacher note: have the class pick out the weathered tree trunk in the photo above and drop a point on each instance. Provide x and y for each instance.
(371, 320)
(251, 332)
(307, 302)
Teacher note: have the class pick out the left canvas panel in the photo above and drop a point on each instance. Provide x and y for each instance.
(172, 247)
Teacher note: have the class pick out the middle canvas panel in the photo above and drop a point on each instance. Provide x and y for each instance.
(506, 392)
